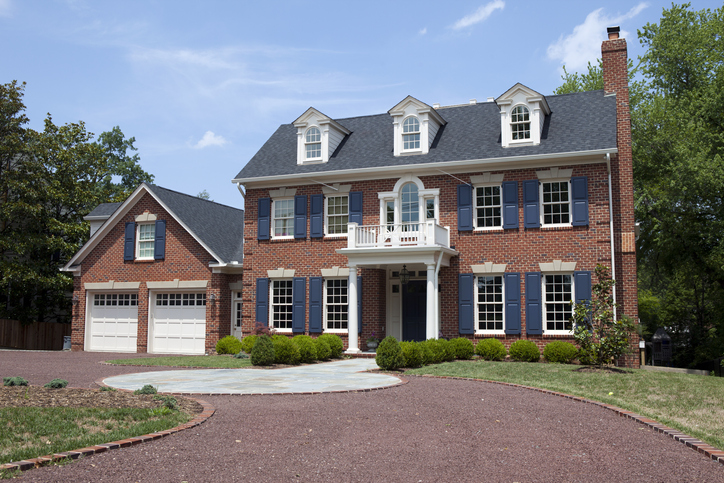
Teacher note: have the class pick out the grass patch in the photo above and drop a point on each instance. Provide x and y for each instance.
(690, 403)
(29, 432)
(219, 362)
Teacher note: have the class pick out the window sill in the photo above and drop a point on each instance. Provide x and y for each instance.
(556, 227)
(336, 331)
(489, 228)
(489, 333)
(283, 239)
(333, 237)
(281, 331)
(144, 260)
(561, 334)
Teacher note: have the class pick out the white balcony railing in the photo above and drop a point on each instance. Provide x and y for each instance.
(399, 235)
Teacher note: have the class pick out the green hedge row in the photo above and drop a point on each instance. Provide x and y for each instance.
(280, 349)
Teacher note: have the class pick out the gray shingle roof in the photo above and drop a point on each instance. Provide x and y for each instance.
(581, 121)
(104, 210)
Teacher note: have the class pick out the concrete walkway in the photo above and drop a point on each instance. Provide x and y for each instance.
(347, 375)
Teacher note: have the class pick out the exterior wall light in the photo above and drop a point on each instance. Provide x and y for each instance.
(404, 275)
(75, 300)
(212, 299)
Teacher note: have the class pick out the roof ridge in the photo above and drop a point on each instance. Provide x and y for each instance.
(192, 196)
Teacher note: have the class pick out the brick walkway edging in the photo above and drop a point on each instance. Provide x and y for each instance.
(206, 413)
(693, 443)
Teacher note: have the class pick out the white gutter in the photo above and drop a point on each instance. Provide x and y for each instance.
(610, 223)
(243, 195)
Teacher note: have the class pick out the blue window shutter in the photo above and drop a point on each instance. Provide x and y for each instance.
(579, 197)
(159, 244)
(300, 216)
(299, 304)
(316, 216)
(316, 295)
(129, 241)
(355, 207)
(533, 304)
(264, 219)
(466, 315)
(512, 303)
(582, 286)
(510, 204)
(465, 207)
(531, 205)
(359, 304)
(262, 301)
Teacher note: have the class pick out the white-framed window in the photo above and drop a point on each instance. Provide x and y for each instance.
(488, 207)
(283, 218)
(180, 299)
(410, 206)
(557, 296)
(555, 202)
(236, 310)
(145, 238)
(336, 215)
(520, 123)
(490, 306)
(430, 209)
(336, 305)
(313, 143)
(411, 134)
(115, 300)
(280, 315)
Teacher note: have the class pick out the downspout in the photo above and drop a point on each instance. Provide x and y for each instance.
(243, 195)
(610, 222)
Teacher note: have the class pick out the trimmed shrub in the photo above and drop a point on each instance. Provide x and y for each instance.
(389, 355)
(147, 389)
(263, 352)
(411, 354)
(285, 350)
(560, 351)
(241, 355)
(491, 350)
(426, 356)
(448, 350)
(525, 351)
(14, 381)
(228, 345)
(307, 348)
(247, 343)
(463, 348)
(323, 350)
(336, 345)
(437, 352)
(56, 384)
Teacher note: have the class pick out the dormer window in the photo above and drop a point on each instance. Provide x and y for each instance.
(415, 125)
(318, 136)
(520, 123)
(313, 143)
(411, 134)
(523, 113)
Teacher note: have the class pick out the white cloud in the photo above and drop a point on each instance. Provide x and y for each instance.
(583, 45)
(210, 139)
(423, 31)
(5, 8)
(479, 15)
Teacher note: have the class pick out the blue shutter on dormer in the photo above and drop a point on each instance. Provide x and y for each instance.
(510, 204)
(579, 198)
(533, 303)
(359, 304)
(316, 295)
(355, 207)
(465, 207)
(512, 303)
(264, 218)
(300, 216)
(466, 314)
(262, 301)
(129, 241)
(531, 205)
(299, 303)
(316, 216)
(159, 243)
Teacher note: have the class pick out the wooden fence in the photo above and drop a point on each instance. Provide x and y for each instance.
(46, 336)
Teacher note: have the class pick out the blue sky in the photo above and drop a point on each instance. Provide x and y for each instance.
(202, 85)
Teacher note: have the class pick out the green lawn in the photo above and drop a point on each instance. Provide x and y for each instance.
(219, 362)
(692, 404)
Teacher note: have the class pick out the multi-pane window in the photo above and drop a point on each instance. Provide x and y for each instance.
(113, 299)
(313, 143)
(556, 203)
(180, 299)
(520, 123)
(558, 308)
(490, 303)
(410, 206)
(281, 301)
(390, 212)
(283, 218)
(335, 304)
(337, 215)
(145, 238)
(429, 209)
(236, 309)
(411, 133)
(488, 206)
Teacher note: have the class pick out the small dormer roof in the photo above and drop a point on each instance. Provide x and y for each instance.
(422, 108)
(312, 113)
(530, 95)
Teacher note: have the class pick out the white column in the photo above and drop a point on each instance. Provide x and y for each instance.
(352, 322)
(431, 326)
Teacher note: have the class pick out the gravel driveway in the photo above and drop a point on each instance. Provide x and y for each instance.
(424, 431)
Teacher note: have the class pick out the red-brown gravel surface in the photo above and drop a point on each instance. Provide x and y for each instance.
(424, 431)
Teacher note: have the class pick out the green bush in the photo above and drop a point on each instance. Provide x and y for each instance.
(169, 402)
(56, 384)
(336, 345)
(241, 355)
(524, 350)
(448, 350)
(463, 348)
(228, 345)
(560, 351)
(437, 351)
(307, 348)
(323, 350)
(426, 355)
(389, 355)
(108, 389)
(285, 350)
(147, 389)
(14, 381)
(263, 352)
(411, 354)
(247, 343)
(491, 350)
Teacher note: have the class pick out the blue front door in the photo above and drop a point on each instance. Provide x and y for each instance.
(414, 310)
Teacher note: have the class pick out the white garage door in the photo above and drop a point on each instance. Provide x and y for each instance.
(113, 324)
(178, 323)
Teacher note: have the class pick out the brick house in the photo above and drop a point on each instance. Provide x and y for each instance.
(480, 220)
(160, 273)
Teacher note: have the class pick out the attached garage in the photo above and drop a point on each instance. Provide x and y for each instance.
(113, 322)
(178, 323)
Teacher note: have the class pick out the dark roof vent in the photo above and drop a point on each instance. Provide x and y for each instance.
(613, 32)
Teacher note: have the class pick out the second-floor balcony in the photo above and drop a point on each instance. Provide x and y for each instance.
(426, 234)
